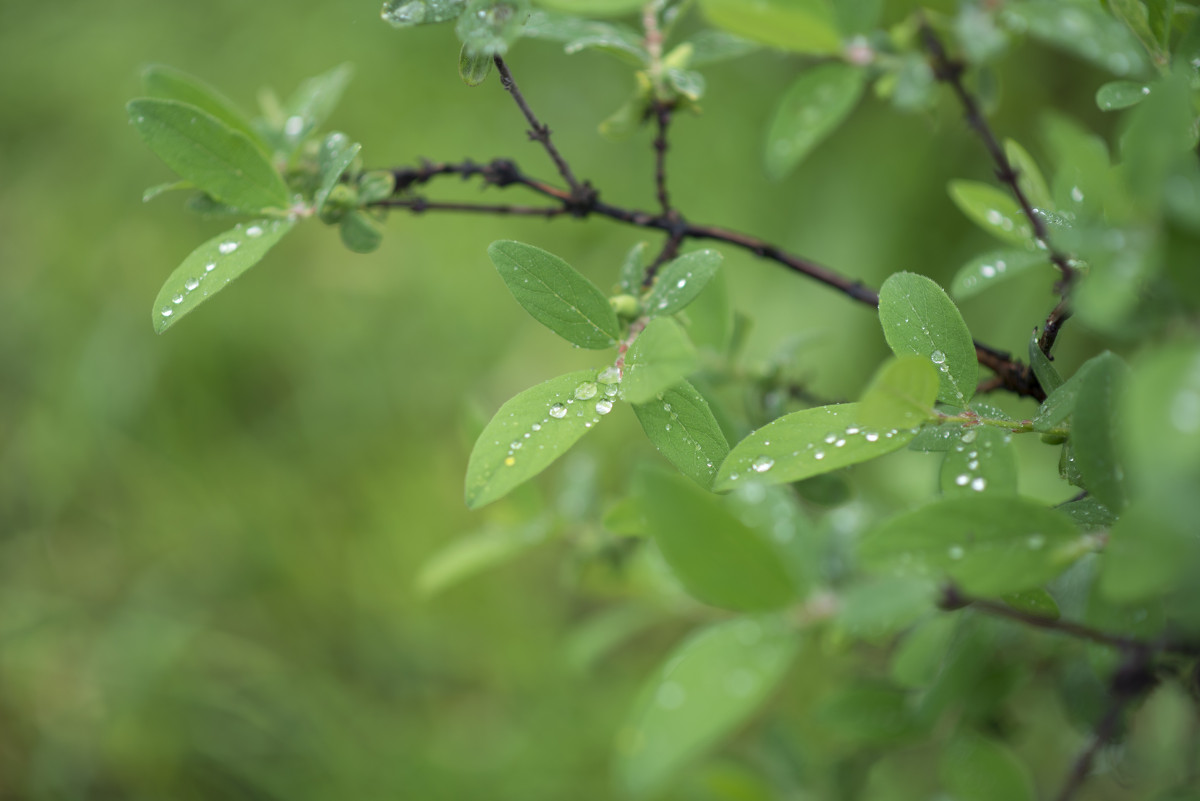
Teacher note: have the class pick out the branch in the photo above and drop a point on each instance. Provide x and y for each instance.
(582, 194)
(503, 173)
(953, 598)
(1132, 679)
(950, 71)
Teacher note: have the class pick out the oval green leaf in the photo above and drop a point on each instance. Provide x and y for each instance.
(657, 360)
(918, 318)
(993, 210)
(1116, 95)
(985, 271)
(168, 83)
(802, 26)
(805, 444)
(556, 294)
(1043, 368)
(982, 461)
(1094, 424)
(473, 68)
(215, 158)
(530, 431)
(902, 393)
(476, 552)
(210, 267)
(335, 156)
(989, 545)
(711, 684)
(680, 281)
(721, 560)
(815, 105)
(683, 428)
(974, 768)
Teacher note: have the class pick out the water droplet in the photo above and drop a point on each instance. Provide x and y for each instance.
(167, 311)
(611, 390)
(586, 391)
(668, 426)
(1076, 194)
(987, 270)
(937, 357)
(962, 479)
(1036, 541)
(762, 464)
(536, 426)
(603, 407)
(177, 299)
(558, 411)
(830, 439)
(515, 444)
(609, 375)
(681, 283)
(208, 268)
(851, 431)
(994, 217)
(819, 455)
(254, 231)
(227, 247)
(294, 125)
(970, 435)
(191, 284)
(973, 465)
(872, 436)
(978, 484)
(956, 552)
(840, 443)
(666, 407)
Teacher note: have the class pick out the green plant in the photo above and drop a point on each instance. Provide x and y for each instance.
(915, 604)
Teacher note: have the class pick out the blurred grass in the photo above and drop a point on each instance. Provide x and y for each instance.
(208, 540)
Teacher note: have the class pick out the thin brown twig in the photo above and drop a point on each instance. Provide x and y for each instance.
(950, 72)
(418, 205)
(581, 193)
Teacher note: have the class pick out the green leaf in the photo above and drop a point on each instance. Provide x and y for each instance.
(990, 545)
(713, 47)
(170, 186)
(490, 27)
(918, 318)
(805, 444)
(168, 83)
(1083, 182)
(1147, 556)
(985, 464)
(208, 268)
(473, 68)
(881, 606)
(985, 271)
(866, 715)
(993, 210)
(1088, 513)
(918, 659)
(633, 270)
(1059, 404)
(815, 105)
(1081, 27)
(530, 431)
(684, 430)
(1035, 601)
(858, 16)
(707, 688)
(360, 232)
(1029, 177)
(680, 281)
(1043, 368)
(313, 102)
(802, 26)
(376, 185)
(975, 768)
(1133, 13)
(1093, 426)
(556, 295)
(407, 13)
(474, 553)
(205, 151)
(1117, 95)
(721, 560)
(1161, 13)
(597, 8)
(578, 35)
(687, 83)
(657, 360)
(335, 156)
(902, 393)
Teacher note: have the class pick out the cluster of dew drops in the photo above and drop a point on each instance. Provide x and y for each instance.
(225, 248)
(603, 391)
(763, 463)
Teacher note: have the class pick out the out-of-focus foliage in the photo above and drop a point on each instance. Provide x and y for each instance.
(236, 560)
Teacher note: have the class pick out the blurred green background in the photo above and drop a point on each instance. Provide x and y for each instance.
(208, 539)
